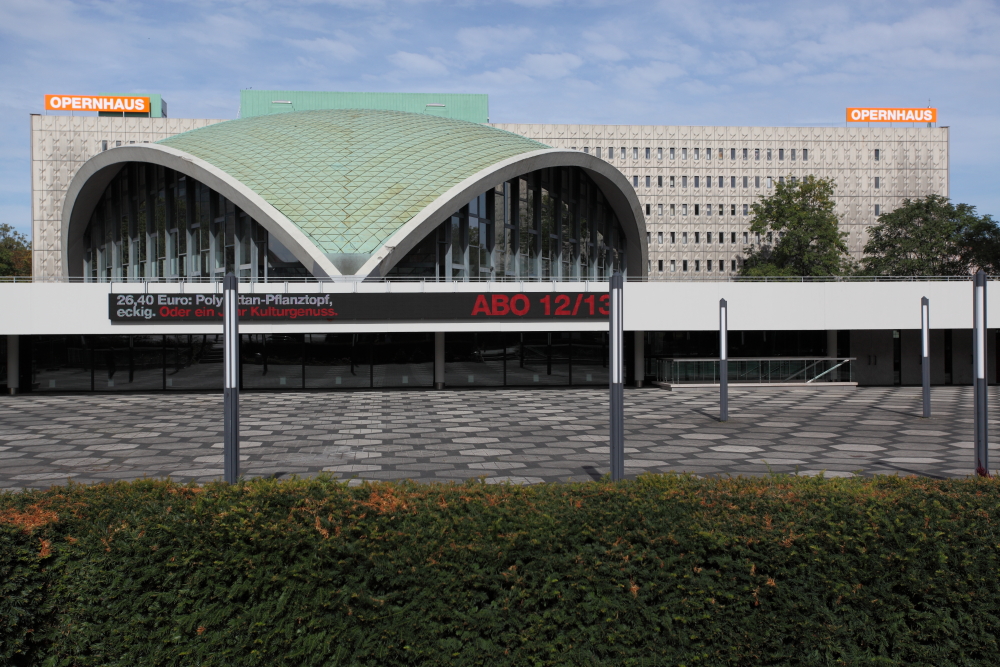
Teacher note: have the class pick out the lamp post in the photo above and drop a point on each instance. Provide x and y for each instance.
(981, 428)
(616, 379)
(925, 357)
(723, 361)
(231, 391)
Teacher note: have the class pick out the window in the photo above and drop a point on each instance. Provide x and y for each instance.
(673, 265)
(647, 209)
(648, 238)
(659, 209)
(708, 209)
(659, 237)
(684, 181)
(671, 153)
(673, 211)
(647, 157)
(721, 153)
(697, 210)
(732, 237)
(732, 153)
(684, 265)
(659, 153)
(647, 181)
(684, 209)
(635, 181)
(877, 155)
(733, 264)
(708, 181)
(697, 265)
(756, 182)
(659, 265)
(118, 143)
(720, 209)
(695, 181)
(732, 181)
(697, 237)
(720, 181)
(746, 181)
(756, 154)
(697, 152)
(684, 238)
(659, 181)
(708, 265)
(877, 183)
(684, 153)
(708, 235)
(635, 153)
(877, 210)
(597, 152)
(746, 238)
(672, 181)
(768, 153)
(722, 266)
(770, 182)
(781, 153)
(708, 153)
(623, 152)
(732, 209)
(758, 238)
(649, 265)
(805, 154)
(746, 209)
(673, 237)
(792, 154)
(745, 151)
(781, 180)
(104, 145)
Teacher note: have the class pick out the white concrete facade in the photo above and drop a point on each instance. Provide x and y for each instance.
(676, 171)
(82, 308)
(59, 147)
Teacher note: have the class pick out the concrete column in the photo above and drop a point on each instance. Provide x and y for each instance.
(439, 360)
(640, 357)
(831, 343)
(13, 365)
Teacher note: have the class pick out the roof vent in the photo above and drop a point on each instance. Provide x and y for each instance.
(281, 101)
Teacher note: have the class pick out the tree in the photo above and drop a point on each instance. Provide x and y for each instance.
(15, 252)
(932, 237)
(799, 232)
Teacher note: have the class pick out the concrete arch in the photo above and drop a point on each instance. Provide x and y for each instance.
(613, 184)
(89, 183)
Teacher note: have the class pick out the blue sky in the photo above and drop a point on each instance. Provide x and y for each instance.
(691, 63)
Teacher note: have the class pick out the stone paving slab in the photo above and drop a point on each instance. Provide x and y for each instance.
(518, 436)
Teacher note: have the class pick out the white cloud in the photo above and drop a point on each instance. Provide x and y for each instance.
(415, 63)
(329, 47)
(550, 65)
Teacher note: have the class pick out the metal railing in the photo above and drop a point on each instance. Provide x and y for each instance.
(758, 370)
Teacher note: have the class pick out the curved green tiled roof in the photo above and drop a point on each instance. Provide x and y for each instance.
(350, 178)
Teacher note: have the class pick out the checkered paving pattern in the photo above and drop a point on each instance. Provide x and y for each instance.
(522, 436)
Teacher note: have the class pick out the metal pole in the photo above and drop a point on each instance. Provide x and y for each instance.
(615, 366)
(231, 395)
(979, 373)
(723, 361)
(925, 360)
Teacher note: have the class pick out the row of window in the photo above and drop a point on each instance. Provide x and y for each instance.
(719, 266)
(708, 237)
(698, 209)
(734, 181)
(697, 153)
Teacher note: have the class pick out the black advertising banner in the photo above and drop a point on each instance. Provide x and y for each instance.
(355, 307)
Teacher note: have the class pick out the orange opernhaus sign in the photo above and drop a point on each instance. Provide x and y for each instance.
(867, 115)
(96, 103)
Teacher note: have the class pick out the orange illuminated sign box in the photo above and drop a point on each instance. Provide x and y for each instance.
(96, 103)
(862, 115)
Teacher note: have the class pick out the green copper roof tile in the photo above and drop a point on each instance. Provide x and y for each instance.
(350, 178)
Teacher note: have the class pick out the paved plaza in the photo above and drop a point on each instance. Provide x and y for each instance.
(521, 436)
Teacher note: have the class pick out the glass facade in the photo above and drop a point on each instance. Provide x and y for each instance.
(187, 362)
(153, 223)
(550, 224)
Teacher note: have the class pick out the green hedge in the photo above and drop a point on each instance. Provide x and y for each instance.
(665, 570)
